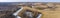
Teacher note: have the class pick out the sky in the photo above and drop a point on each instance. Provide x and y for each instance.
(29, 0)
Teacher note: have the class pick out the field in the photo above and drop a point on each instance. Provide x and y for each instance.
(47, 9)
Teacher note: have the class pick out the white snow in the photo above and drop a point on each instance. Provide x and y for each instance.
(16, 13)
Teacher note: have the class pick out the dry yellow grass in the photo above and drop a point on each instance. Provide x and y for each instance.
(45, 13)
